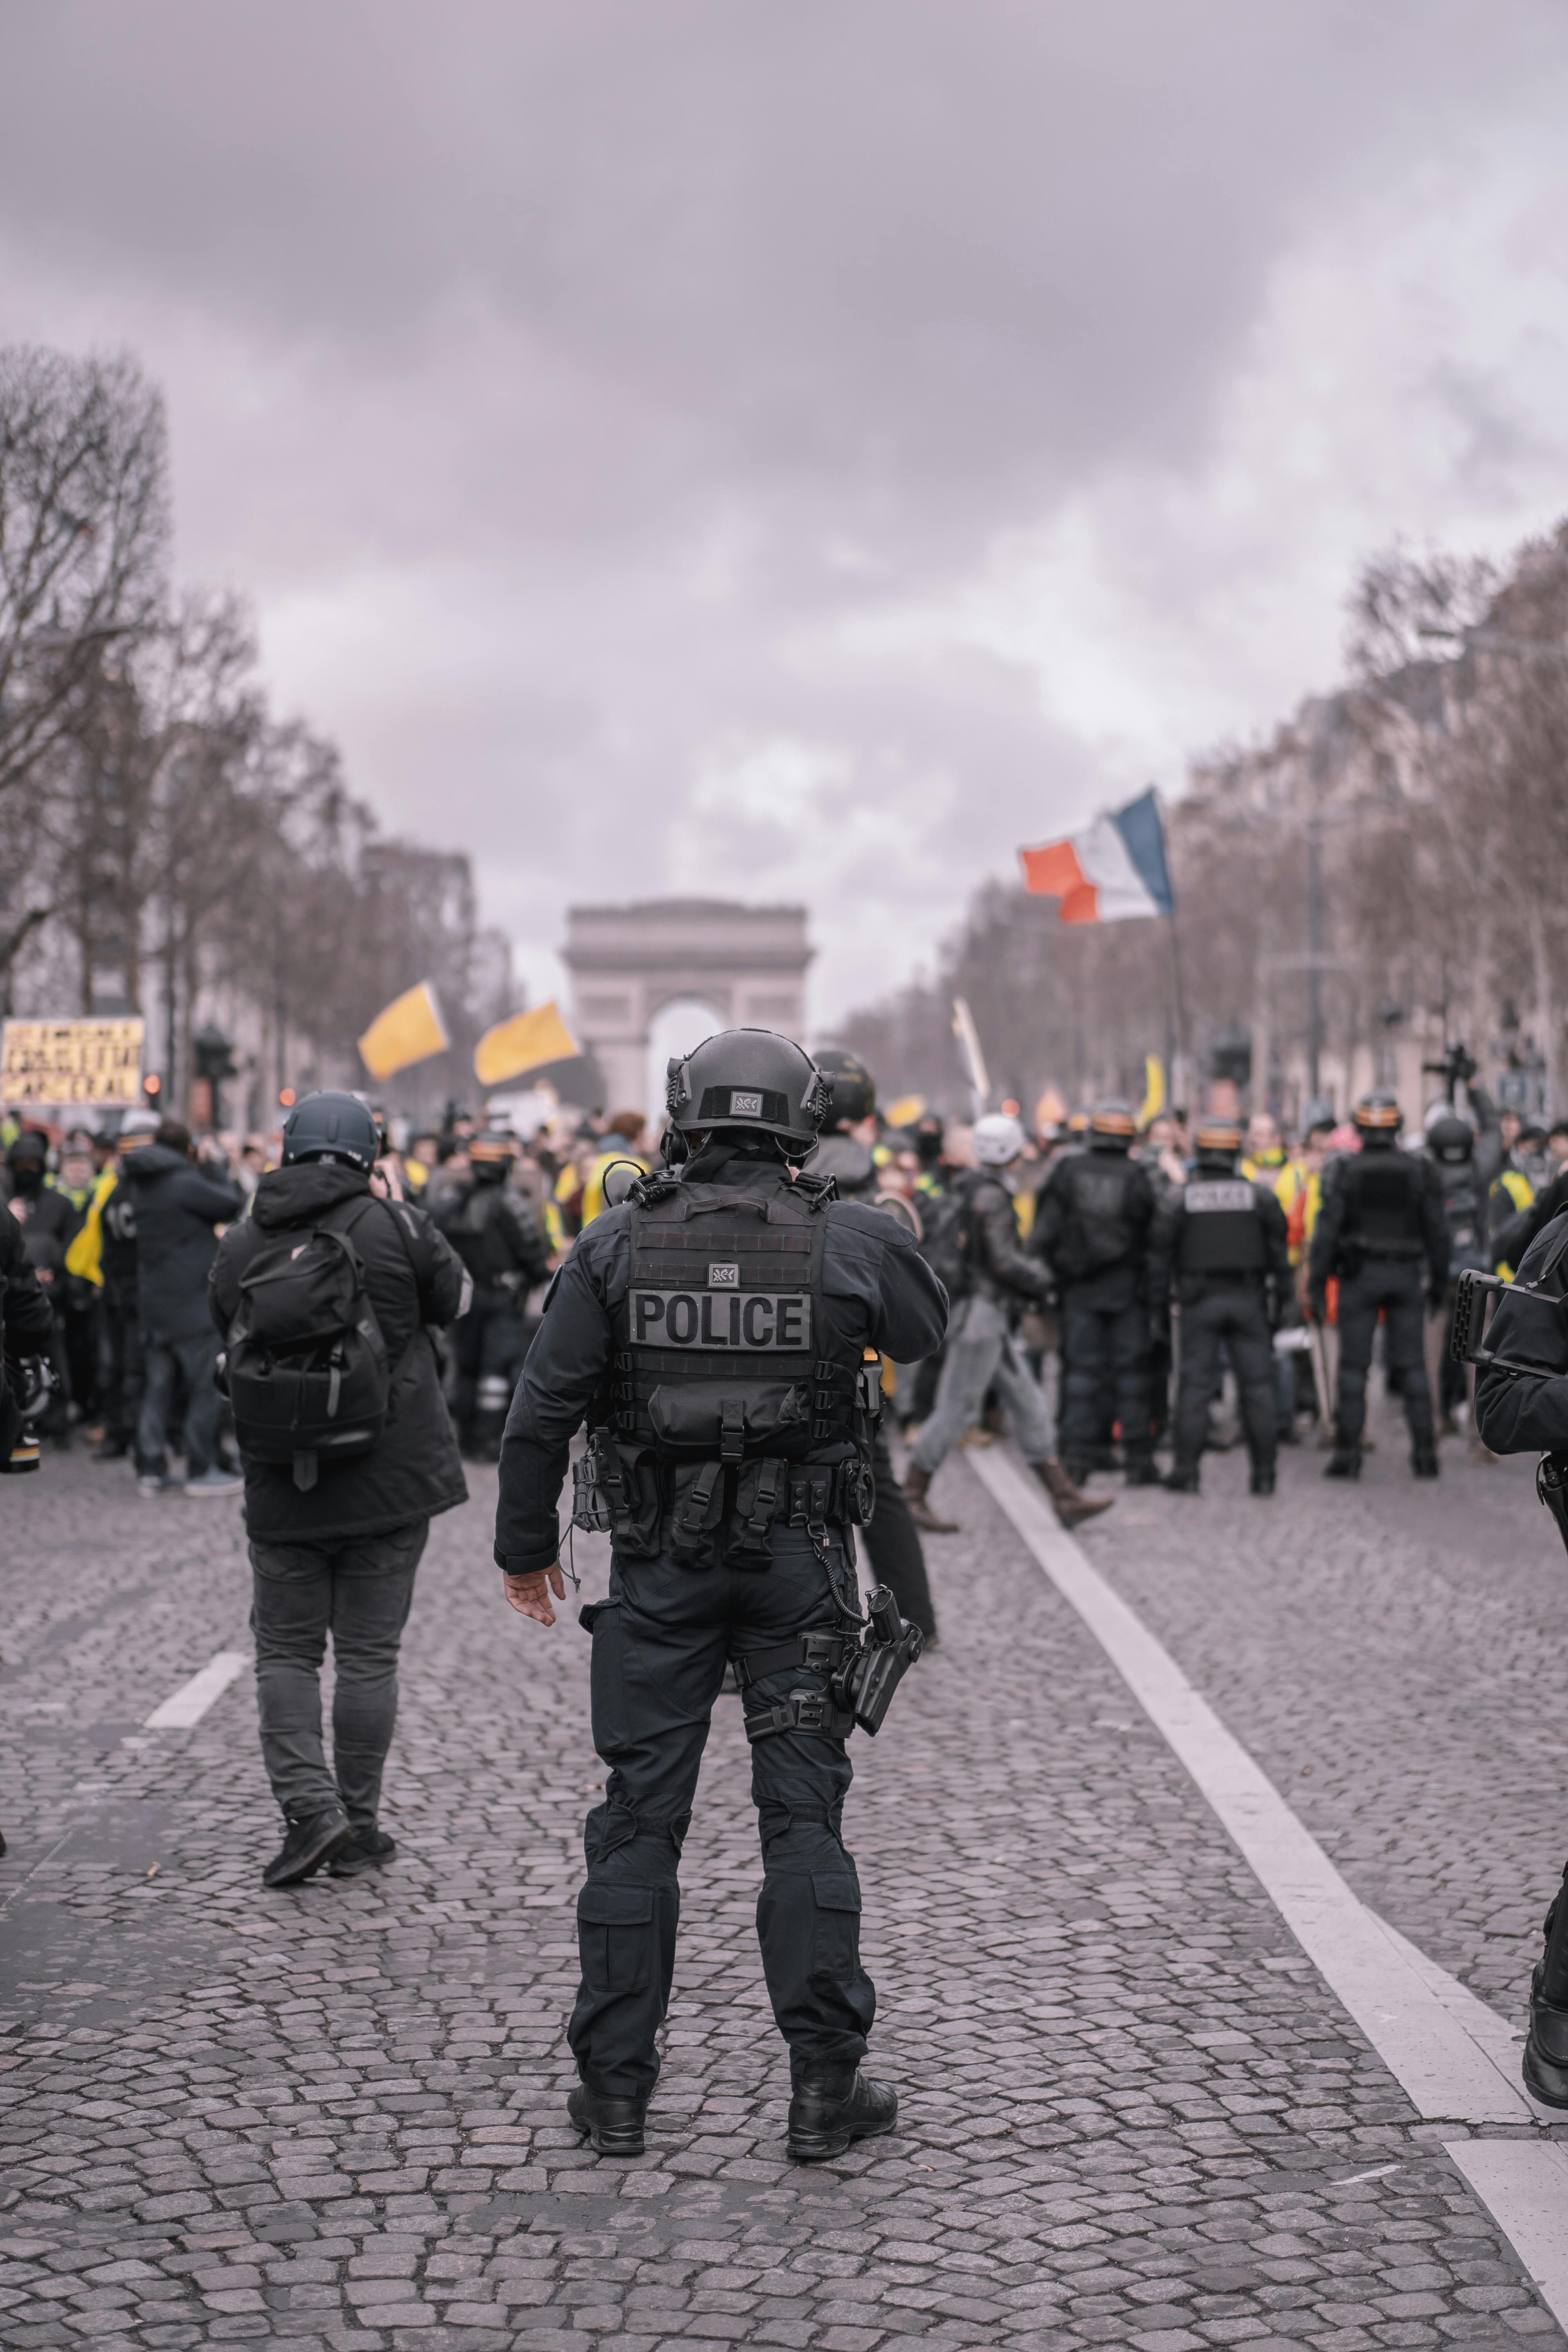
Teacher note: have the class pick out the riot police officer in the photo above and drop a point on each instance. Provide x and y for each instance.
(1093, 1228)
(845, 1154)
(495, 1234)
(1383, 1231)
(1222, 1252)
(713, 1331)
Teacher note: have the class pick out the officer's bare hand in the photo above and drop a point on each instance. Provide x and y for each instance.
(529, 1595)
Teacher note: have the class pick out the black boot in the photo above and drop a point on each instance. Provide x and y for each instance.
(310, 1841)
(1423, 1459)
(1141, 1471)
(1545, 2065)
(1263, 1475)
(1344, 1462)
(833, 2106)
(366, 1849)
(1183, 1478)
(614, 2125)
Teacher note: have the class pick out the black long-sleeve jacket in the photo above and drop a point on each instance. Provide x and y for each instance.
(880, 1293)
(1341, 1236)
(26, 1323)
(1095, 1218)
(1527, 1412)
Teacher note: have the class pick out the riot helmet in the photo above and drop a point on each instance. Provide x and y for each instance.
(1451, 1140)
(490, 1157)
(1217, 1143)
(333, 1126)
(851, 1088)
(998, 1140)
(746, 1082)
(1111, 1126)
(1378, 1119)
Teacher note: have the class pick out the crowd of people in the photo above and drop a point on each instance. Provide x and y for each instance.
(1069, 1339)
(736, 1308)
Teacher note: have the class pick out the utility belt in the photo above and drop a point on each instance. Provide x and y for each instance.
(1354, 1254)
(703, 1508)
(862, 1676)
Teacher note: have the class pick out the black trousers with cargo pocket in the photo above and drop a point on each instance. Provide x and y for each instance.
(661, 1642)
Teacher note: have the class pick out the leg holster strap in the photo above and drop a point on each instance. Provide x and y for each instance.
(825, 1652)
(804, 1710)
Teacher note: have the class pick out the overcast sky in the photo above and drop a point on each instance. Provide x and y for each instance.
(802, 450)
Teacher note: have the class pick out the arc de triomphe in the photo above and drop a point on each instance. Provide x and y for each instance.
(628, 962)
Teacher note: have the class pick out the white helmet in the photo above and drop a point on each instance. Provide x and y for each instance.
(998, 1139)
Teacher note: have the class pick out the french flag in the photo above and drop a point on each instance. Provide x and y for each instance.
(1115, 869)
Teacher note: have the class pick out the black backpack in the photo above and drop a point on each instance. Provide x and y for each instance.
(306, 1369)
(947, 1237)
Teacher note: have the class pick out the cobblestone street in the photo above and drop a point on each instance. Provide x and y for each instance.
(1132, 2111)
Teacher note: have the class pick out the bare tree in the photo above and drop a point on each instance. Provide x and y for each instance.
(84, 533)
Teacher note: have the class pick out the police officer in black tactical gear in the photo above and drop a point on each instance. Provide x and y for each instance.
(1093, 1227)
(845, 1154)
(498, 1238)
(713, 1331)
(1222, 1252)
(26, 1340)
(1382, 1231)
(1521, 1407)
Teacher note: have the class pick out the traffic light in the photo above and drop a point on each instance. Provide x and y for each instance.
(152, 1088)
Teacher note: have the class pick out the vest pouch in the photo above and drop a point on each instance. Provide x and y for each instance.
(733, 1417)
(697, 1507)
(628, 1483)
(761, 1495)
(590, 1498)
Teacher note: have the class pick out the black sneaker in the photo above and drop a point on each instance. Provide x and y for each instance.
(309, 1843)
(1141, 1472)
(614, 2125)
(830, 2109)
(366, 1849)
(1424, 1462)
(1262, 1478)
(1342, 1462)
(1181, 1480)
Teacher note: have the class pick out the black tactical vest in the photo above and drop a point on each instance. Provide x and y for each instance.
(1221, 1232)
(724, 1347)
(1383, 1204)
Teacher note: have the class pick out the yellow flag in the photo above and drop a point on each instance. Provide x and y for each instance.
(905, 1111)
(409, 1030)
(526, 1042)
(1154, 1101)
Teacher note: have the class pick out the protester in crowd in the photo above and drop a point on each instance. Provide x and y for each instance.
(334, 1547)
(104, 1255)
(180, 1208)
(49, 1219)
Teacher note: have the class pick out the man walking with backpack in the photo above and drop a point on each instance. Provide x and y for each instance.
(324, 1296)
(972, 1249)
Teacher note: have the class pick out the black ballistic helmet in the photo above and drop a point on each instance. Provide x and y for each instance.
(1451, 1140)
(748, 1082)
(1378, 1118)
(1113, 1126)
(331, 1126)
(1218, 1140)
(852, 1090)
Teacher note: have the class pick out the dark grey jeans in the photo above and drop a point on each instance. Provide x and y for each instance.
(164, 1362)
(359, 1589)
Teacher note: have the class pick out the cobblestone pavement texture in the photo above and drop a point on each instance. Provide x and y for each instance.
(1131, 2113)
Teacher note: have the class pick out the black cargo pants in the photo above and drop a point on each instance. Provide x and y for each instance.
(1231, 1315)
(1395, 1287)
(662, 1641)
(1105, 1371)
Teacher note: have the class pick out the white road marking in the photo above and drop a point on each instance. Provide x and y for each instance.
(1454, 2058)
(191, 1701)
(1524, 2183)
